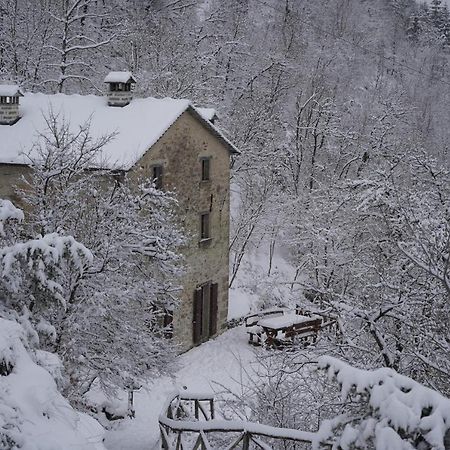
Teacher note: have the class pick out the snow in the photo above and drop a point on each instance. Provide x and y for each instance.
(119, 77)
(205, 369)
(200, 369)
(240, 426)
(10, 90)
(33, 414)
(44, 252)
(401, 404)
(137, 126)
(7, 212)
(207, 113)
(286, 320)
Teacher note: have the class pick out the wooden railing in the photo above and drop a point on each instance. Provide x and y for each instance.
(188, 423)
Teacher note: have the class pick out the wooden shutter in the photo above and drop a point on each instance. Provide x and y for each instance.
(213, 309)
(204, 226)
(197, 317)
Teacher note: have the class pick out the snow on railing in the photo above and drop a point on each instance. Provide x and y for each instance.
(179, 430)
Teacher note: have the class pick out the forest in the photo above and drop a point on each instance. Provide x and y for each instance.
(340, 110)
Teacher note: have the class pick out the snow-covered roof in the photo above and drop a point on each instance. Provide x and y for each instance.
(137, 126)
(119, 77)
(207, 113)
(10, 90)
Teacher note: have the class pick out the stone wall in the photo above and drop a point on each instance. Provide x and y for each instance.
(119, 98)
(180, 151)
(10, 178)
(9, 113)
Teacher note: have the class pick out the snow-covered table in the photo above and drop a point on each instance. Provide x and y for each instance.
(283, 328)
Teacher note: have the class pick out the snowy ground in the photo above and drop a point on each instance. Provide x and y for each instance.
(214, 361)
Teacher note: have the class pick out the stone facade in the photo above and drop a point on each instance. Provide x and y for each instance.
(180, 151)
(9, 113)
(119, 98)
(10, 179)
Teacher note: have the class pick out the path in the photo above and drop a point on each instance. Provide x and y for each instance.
(216, 360)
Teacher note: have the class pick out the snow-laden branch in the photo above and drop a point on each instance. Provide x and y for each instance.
(399, 409)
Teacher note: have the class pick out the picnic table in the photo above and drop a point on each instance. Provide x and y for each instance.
(283, 329)
(276, 328)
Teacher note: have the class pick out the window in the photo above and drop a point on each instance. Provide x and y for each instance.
(168, 324)
(204, 226)
(205, 168)
(157, 175)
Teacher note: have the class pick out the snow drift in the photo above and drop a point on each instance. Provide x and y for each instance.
(33, 414)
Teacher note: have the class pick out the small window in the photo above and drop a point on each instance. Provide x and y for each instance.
(157, 176)
(168, 323)
(206, 169)
(204, 226)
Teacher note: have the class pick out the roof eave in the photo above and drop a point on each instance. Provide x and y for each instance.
(230, 147)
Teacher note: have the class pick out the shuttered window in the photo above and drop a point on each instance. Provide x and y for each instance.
(213, 309)
(206, 165)
(205, 312)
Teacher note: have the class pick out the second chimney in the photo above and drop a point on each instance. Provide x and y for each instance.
(9, 103)
(120, 88)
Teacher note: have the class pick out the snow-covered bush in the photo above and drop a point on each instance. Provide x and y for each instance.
(346, 407)
(33, 414)
(8, 213)
(394, 412)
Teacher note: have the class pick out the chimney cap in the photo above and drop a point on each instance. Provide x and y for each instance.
(10, 90)
(120, 77)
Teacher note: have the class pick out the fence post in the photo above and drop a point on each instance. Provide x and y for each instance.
(246, 441)
(179, 445)
(196, 409)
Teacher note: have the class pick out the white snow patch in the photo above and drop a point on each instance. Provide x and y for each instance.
(33, 414)
(216, 361)
(10, 90)
(119, 77)
(7, 212)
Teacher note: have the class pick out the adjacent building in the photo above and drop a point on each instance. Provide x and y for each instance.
(168, 140)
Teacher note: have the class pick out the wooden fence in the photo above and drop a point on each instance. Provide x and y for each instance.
(188, 422)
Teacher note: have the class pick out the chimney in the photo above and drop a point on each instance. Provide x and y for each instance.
(120, 86)
(9, 103)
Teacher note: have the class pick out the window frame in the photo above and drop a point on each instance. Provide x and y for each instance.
(205, 236)
(205, 167)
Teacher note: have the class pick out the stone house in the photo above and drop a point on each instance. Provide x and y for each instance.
(168, 140)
